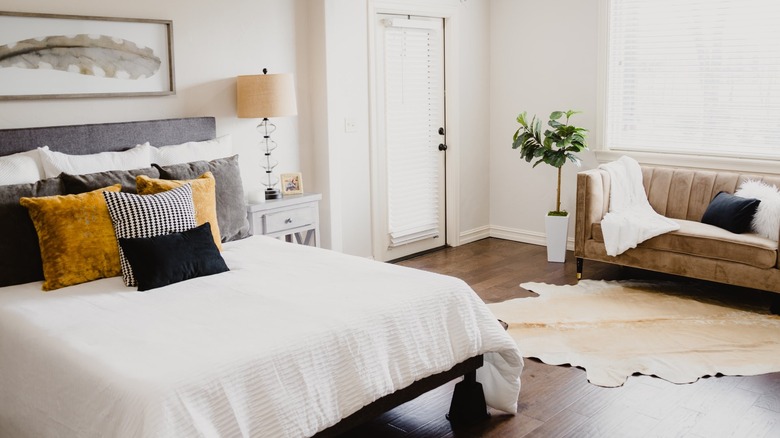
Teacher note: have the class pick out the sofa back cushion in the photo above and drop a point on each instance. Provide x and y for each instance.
(685, 193)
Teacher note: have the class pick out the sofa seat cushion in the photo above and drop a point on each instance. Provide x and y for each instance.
(698, 239)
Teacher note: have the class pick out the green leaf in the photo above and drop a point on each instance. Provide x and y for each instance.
(556, 115)
(521, 119)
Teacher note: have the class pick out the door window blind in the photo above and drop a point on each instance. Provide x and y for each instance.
(414, 112)
(694, 76)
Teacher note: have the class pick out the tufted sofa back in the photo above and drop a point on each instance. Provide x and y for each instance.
(685, 193)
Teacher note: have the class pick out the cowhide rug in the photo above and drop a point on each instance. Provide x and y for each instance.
(615, 329)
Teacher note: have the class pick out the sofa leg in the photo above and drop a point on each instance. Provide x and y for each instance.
(579, 268)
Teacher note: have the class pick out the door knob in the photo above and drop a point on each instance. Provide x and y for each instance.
(442, 147)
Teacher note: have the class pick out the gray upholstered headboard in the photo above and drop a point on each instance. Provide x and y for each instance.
(93, 138)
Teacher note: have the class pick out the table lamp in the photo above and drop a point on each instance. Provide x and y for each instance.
(266, 96)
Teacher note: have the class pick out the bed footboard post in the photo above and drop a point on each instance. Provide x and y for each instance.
(468, 402)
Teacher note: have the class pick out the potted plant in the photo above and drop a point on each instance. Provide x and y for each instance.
(557, 144)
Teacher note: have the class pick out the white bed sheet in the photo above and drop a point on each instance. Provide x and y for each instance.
(286, 344)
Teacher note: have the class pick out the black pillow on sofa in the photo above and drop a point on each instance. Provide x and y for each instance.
(162, 260)
(731, 212)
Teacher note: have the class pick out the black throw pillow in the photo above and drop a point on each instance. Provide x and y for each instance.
(162, 260)
(731, 212)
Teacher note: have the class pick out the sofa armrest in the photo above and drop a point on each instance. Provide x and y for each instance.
(592, 204)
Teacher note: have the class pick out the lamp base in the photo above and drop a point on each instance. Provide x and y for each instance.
(271, 193)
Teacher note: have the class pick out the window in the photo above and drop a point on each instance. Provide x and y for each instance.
(694, 77)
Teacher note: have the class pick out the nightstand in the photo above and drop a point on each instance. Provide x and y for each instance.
(296, 218)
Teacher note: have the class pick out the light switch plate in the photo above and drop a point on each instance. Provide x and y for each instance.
(350, 125)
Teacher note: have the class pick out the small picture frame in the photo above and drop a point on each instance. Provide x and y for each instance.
(292, 183)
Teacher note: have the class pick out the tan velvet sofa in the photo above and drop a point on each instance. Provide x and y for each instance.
(695, 250)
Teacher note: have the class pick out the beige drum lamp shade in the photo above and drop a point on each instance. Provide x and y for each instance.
(266, 96)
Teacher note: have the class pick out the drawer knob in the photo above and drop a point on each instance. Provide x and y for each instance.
(288, 220)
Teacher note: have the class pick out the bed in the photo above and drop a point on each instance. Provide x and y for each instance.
(259, 350)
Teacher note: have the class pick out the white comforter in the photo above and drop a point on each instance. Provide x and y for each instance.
(631, 219)
(287, 343)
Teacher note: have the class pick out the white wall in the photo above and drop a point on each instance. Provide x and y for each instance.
(474, 117)
(346, 73)
(338, 161)
(543, 57)
(213, 43)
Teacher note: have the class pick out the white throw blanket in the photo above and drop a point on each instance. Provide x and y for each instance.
(630, 220)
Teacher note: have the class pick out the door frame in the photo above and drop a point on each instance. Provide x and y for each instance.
(449, 12)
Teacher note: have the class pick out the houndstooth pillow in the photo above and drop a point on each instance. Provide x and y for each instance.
(149, 216)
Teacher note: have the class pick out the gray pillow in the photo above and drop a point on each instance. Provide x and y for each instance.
(20, 255)
(75, 184)
(231, 209)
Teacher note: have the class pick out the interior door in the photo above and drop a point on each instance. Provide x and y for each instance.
(411, 136)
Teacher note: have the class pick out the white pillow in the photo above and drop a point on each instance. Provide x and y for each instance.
(766, 221)
(55, 163)
(193, 151)
(21, 168)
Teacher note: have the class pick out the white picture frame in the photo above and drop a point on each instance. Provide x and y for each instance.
(48, 56)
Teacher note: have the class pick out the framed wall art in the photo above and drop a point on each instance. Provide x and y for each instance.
(45, 56)
(292, 183)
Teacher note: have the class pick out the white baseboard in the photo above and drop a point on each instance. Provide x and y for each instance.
(474, 234)
(525, 236)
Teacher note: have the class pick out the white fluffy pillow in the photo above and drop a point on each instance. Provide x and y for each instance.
(766, 221)
(21, 168)
(55, 163)
(193, 151)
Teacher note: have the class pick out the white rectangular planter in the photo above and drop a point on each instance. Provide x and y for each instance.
(557, 229)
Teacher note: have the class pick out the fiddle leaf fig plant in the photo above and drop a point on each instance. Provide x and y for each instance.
(557, 144)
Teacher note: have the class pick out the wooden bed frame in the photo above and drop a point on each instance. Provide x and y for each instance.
(468, 402)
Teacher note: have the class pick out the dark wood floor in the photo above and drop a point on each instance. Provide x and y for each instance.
(557, 401)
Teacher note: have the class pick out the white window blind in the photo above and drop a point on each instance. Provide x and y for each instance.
(414, 113)
(694, 76)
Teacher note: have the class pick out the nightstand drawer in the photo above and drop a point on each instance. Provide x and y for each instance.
(287, 220)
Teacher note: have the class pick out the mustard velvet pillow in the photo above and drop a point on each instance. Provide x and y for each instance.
(203, 196)
(76, 237)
